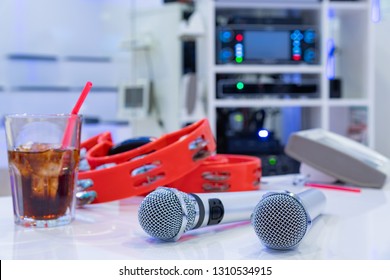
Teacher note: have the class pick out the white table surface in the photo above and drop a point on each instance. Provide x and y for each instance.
(353, 226)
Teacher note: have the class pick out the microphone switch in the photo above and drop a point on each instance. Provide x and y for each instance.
(216, 211)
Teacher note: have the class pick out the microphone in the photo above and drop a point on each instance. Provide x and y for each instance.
(167, 213)
(281, 220)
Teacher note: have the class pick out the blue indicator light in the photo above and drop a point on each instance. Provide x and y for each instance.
(263, 133)
(238, 50)
(296, 43)
(296, 50)
(309, 55)
(226, 53)
(293, 36)
(226, 36)
(310, 36)
(296, 35)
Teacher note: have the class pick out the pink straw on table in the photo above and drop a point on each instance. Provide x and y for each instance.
(333, 187)
(69, 128)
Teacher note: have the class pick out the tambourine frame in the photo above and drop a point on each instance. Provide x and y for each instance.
(143, 169)
(222, 173)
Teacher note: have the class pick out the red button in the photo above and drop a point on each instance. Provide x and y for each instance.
(296, 57)
(239, 37)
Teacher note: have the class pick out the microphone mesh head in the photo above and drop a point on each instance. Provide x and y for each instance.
(280, 221)
(161, 213)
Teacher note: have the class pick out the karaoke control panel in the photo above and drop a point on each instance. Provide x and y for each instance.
(267, 36)
(257, 44)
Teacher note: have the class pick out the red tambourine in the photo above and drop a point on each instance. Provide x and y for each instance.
(222, 173)
(143, 169)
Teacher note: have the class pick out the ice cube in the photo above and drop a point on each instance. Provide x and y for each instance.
(38, 185)
(44, 187)
(52, 187)
(19, 162)
(46, 163)
(49, 169)
(69, 161)
(25, 147)
(41, 147)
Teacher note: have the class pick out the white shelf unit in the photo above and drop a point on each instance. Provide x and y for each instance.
(350, 26)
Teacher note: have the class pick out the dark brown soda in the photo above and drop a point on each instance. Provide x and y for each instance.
(44, 179)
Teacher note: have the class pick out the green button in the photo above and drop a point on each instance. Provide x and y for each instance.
(272, 161)
(240, 85)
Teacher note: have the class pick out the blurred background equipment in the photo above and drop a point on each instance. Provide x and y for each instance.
(168, 61)
(340, 157)
(134, 100)
(252, 132)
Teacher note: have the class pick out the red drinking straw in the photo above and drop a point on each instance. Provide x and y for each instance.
(81, 99)
(69, 128)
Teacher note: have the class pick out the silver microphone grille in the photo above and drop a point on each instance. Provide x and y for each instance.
(167, 213)
(280, 221)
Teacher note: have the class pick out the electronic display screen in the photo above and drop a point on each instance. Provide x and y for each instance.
(264, 45)
(133, 97)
